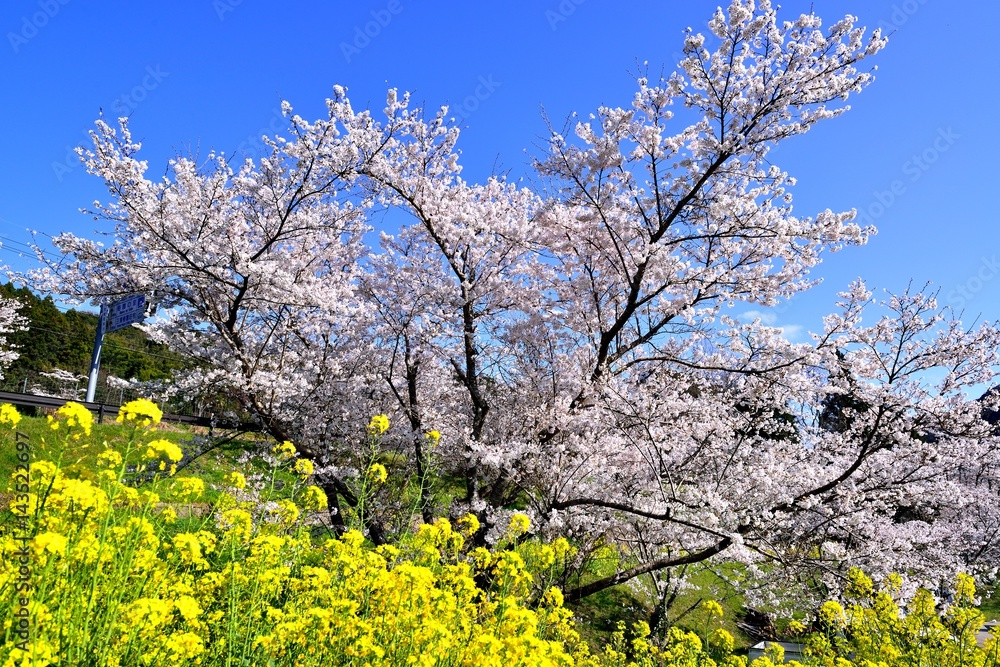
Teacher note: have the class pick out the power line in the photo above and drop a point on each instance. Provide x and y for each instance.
(28, 254)
(29, 247)
(26, 245)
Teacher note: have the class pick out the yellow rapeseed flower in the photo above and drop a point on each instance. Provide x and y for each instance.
(284, 451)
(85, 548)
(9, 414)
(148, 498)
(286, 511)
(187, 489)
(75, 495)
(377, 473)
(314, 498)
(39, 652)
(433, 437)
(188, 607)
(713, 608)
(236, 480)
(468, 524)
(43, 473)
(208, 540)
(378, 425)
(482, 557)
(965, 590)
(511, 572)
(164, 450)
(859, 585)
(553, 597)
(519, 525)
(148, 614)
(188, 548)
(304, 467)
(124, 496)
(184, 646)
(237, 522)
(562, 548)
(722, 640)
(73, 415)
(142, 412)
(832, 613)
(109, 459)
(54, 543)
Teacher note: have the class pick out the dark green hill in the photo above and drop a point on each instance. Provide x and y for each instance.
(57, 339)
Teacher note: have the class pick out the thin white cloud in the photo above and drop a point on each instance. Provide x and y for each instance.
(793, 333)
(767, 319)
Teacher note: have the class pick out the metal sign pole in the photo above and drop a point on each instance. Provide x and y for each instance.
(95, 358)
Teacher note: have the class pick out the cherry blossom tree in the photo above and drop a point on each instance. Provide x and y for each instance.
(252, 268)
(10, 322)
(577, 347)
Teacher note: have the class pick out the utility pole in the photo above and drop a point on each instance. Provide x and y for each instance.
(95, 358)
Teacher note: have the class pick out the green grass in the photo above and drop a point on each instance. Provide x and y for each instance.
(597, 615)
(81, 455)
(46, 443)
(990, 605)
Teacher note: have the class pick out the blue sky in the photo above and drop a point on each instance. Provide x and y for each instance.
(913, 155)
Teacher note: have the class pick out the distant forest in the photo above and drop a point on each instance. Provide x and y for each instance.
(57, 339)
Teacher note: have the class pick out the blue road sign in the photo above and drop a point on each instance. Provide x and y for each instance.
(126, 311)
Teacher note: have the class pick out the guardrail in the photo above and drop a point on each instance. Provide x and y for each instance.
(103, 410)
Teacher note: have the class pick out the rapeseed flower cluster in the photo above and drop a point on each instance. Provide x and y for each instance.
(284, 451)
(120, 580)
(74, 417)
(117, 579)
(187, 489)
(236, 480)
(313, 498)
(378, 425)
(140, 412)
(9, 415)
(304, 467)
(162, 451)
(377, 473)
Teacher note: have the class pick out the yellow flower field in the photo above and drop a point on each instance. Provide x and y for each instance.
(98, 572)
